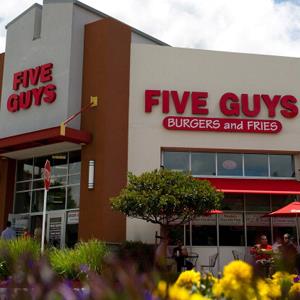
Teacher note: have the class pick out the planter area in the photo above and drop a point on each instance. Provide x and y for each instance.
(91, 271)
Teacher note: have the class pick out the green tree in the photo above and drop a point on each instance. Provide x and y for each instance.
(165, 197)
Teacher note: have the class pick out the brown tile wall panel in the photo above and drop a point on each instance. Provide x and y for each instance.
(7, 182)
(106, 75)
(1, 72)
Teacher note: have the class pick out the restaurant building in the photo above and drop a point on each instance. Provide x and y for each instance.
(98, 98)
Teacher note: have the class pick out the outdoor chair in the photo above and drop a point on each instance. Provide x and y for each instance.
(238, 255)
(212, 263)
(193, 258)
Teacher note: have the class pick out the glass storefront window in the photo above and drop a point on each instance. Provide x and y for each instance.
(235, 224)
(203, 163)
(279, 231)
(231, 229)
(64, 194)
(233, 202)
(178, 161)
(229, 164)
(279, 201)
(176, 232)
(281, 166)
(23, 186)
(204, 235)
(255, 232)
(59, 165)
(56, 198)
(232, 236)
(71, 235)
(256, 165)
(37, 201)
(62, 164)
(257, 225)
(24, 169)
(39, 163)
(74, 179)
(22, 203)
(74, 162)
(73, 196)
(258, 202)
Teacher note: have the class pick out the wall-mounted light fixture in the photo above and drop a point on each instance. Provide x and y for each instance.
(91, 182)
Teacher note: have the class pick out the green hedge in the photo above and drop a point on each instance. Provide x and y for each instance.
(140, 253)
(13, 252)
(75, 263)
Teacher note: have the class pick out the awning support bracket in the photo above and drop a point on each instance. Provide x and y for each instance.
(93, 103)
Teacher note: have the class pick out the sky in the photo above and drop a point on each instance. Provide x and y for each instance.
(248, 26)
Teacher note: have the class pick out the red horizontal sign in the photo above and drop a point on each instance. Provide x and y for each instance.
(222, 124)
(46, 92)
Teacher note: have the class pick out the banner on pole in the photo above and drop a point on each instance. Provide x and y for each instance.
(47, 175)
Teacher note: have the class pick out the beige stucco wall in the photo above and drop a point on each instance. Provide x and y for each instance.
(165, 68)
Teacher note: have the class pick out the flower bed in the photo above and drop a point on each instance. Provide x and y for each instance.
(238, 282)
(87, 272)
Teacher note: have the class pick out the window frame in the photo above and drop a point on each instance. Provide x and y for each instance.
(33, 180)
(163, 155)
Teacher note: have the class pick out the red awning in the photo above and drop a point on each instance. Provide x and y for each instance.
(43, 137)
(255, 186)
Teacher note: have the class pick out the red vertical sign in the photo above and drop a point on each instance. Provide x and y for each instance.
(47, 175)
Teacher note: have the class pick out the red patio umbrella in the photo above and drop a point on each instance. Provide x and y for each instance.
(290, 210)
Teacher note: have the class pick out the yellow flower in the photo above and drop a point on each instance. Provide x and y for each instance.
(209, 277)
(239, 270)
(161, 290)
(178, 293)
(197, 297)
(236, 282)
(188, 278)
(278, 276)
(267, 290)
(263, 289)
(295, 291)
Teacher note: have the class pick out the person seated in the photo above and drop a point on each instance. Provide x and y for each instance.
(262, 253)
(180, 254)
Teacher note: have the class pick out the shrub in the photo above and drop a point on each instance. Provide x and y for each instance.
(91, 254)
(75, 263)
(63, 262)
(12, 253)
(18, 247)
(140, 253)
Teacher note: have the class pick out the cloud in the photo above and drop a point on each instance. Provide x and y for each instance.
(8, 11)
(252, 26)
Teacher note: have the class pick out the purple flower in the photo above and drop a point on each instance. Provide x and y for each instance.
(84, 268)
(297, 278)
(148, 296)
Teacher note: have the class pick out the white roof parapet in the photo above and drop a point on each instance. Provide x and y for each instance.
(91, 9)
(35, 5)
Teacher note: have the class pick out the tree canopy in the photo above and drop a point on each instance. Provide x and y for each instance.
(165, 197)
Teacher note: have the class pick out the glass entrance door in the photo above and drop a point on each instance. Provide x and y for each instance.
(56, 229)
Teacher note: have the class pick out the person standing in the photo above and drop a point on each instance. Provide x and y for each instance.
(288, 254)
(8, 233)
(26, 234)
(262, 254)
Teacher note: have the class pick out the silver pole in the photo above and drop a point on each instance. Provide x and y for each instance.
(44, 221)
